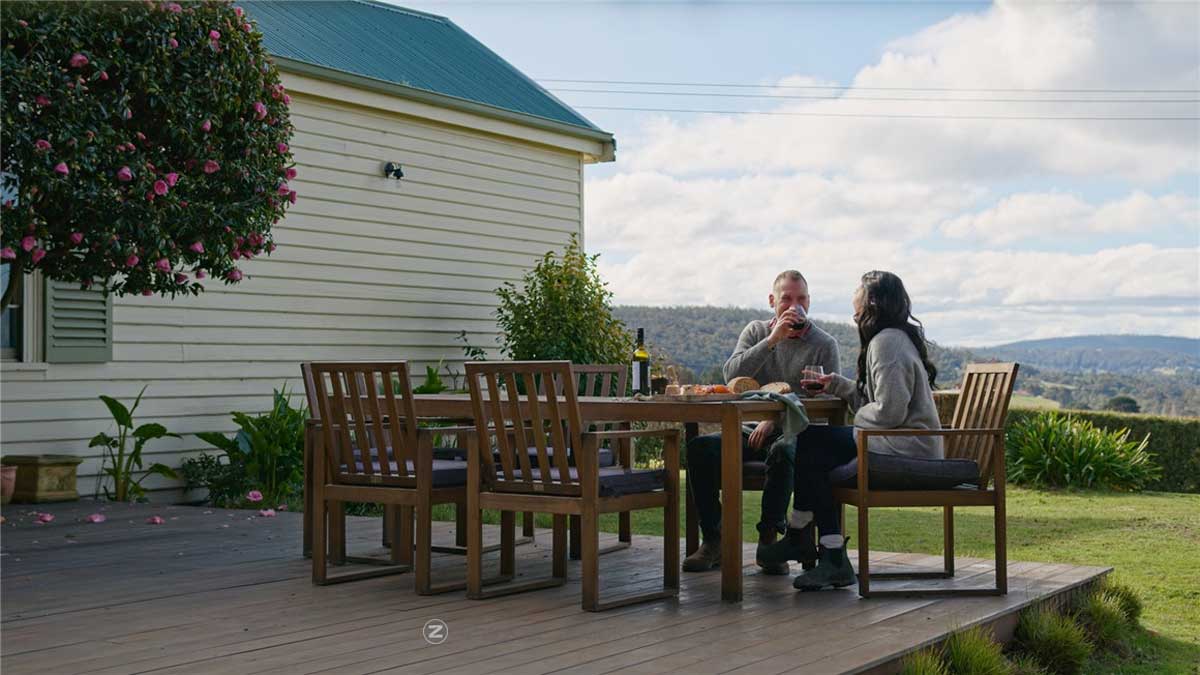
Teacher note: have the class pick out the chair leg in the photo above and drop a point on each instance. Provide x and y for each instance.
(337, 532)
(560, 546)
(474, 543)
(320, 539)
(948, 538)
(389, 514)
(864, 553)
(671, 539)
(527, 524)
(508, 537)
(576, 535)
(1001, 525)
(692, 524)
(625, 527)
(307, 516)
(391, 531)
(405, 530)
(590, 555)
(460, 523)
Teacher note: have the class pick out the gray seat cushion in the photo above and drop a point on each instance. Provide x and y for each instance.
(615, 481)
(607, 456)
(897, 472)
(446, 473)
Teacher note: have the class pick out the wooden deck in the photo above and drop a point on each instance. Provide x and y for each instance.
(213, 591)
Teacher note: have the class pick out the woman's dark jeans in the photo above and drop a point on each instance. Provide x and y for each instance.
(820, 449)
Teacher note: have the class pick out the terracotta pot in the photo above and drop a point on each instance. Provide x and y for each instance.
(8, 479)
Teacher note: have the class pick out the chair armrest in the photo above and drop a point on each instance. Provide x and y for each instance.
(432, 431)
(929, 432)
(632, 433)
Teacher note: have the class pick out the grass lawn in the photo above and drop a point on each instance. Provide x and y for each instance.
(1151, 539)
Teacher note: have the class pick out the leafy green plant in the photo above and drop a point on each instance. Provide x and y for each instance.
(268, 450)
(1025, 664)
(433, 381)
(563, 310)
(227, 483)
(924, 662)
(1053, 639)
(1056, 450)
(119, 462)
(146, 143)
(973, 652)
(471, 352)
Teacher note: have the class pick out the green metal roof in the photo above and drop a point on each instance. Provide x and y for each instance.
(403, 47)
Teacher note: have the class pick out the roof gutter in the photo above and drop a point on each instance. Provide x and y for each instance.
(452, 102)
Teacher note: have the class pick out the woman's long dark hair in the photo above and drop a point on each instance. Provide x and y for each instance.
(885, 304)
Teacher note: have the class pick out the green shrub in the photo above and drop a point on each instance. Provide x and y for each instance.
(227, 483)
(1174, 443)
(1055, 450)
(973, 652)
(119, 460)
(268, 450)
(924, 662)
(1102, 617)
(148, 143)
(562, 311)
(1025, 664)
(1053, 639)
(1126, 597)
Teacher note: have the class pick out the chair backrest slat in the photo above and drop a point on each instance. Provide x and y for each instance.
(558, 438)
(518, 426)
(498, 424)
(983, 404)
(537, 428)
(375, 417)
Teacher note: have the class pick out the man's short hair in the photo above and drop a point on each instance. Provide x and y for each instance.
(788, 275)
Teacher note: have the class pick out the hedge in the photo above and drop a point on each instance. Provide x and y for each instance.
(1174, 442)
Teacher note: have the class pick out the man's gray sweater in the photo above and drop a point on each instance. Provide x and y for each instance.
(784, 362)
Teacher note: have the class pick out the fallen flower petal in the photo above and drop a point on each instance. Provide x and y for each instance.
(155, 520)
(96, 518)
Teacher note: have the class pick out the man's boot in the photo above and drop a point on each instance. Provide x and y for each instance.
(797, 544)
(775, 567)
(833, 569)
(705, 558)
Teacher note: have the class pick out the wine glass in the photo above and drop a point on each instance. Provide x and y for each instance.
(810, 379)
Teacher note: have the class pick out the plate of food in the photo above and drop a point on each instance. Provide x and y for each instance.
(720, 392)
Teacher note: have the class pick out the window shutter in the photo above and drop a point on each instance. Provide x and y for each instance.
(78, 324)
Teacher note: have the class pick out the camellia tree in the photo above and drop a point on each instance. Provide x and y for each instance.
(145, 144)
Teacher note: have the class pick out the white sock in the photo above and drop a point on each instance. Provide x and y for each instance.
(832, 541)
(799, 519)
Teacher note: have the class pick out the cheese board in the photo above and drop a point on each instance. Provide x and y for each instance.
(689, 398)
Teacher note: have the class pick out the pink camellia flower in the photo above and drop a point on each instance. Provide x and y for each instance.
(183, 203)
(287, 99)
(211, 167)
(247, 27)
(200, 273)
(173, 42)
(140, 136)
(283, 188)
(172, 179)
(42, 100)
(163, 265)
(260, 110)
(45, 517)
(155, 520)
(124, 174)
(180, 278)
(78, 60)
(234, 275)
(235, 254)
(282, 147)
(41, 144)
(271, 248)
(7, 253)
(37, 255)
(25, 24)
(239, 11)
(132, 260)
(281, 507)
(266, 513)
(103, 76)
(214, 35)
(197, 247)
(147, 292)
(290, 173)
(149, 195)
(206, 126)
(292, 196)
(61, 168)
(96, 518)
(160, 187)
(254, 496)
(174, 8)
(28, 242)
(76, 238)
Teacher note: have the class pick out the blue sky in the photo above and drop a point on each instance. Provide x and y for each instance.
(1003, 230)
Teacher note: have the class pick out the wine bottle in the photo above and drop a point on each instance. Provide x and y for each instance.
(641, 365)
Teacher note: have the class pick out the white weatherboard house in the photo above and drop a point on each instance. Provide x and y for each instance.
(368, 266)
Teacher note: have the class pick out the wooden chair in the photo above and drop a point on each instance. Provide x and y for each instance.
(977, 433)
(505, 399)
(600, 380)
(370, 449)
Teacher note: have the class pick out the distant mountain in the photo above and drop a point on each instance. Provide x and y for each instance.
(1161, 373)
(1103, 353)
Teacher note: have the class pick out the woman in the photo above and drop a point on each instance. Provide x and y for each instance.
(894, 390)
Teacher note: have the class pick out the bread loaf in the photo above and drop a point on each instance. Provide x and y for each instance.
(742, 384)
(777, 388)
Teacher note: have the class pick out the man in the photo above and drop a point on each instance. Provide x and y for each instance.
(768, 351)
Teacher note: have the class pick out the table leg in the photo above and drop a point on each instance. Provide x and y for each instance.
(692, 527)
(731, 503)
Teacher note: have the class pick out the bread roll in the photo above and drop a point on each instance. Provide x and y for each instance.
(777, 388)
(742, 384)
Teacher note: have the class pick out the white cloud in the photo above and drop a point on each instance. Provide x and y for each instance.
(1011, 45)
(1042, 215)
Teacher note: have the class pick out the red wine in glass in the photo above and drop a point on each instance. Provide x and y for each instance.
(810, 379)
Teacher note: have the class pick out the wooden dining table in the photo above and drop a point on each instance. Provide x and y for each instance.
(730, 414)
